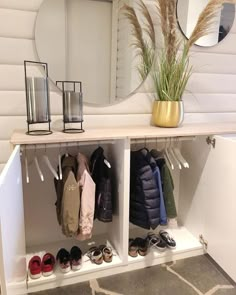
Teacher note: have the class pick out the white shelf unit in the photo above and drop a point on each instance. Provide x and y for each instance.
(28, 211)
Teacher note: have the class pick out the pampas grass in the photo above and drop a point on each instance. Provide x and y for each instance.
(206, 19)
(171, 69)
(145, 47)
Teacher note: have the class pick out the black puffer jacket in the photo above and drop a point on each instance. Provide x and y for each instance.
(101, 175)
(144, 193)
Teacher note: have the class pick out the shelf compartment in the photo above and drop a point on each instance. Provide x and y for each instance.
(58, 278)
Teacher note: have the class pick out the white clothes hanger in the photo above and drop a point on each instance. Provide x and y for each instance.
(107, 163)
(172, 154)
(59, 163)
(50, 167)
(168, 158)
(38, 168)
(48, 163)
(181, 158)
(171, 151)
(26, 168)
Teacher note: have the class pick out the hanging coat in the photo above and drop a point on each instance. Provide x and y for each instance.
(68, 197)
(101, 175)
(167, 184)
(160, 161)
(87, 199)
(168, 191)
(144, 193)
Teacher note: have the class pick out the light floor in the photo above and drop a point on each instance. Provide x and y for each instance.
(192, 276)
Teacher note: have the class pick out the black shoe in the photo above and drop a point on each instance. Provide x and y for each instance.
(63, 259)
(76, 258)
(156, 242)
(170, 242)
(142, 246)
(138, 246)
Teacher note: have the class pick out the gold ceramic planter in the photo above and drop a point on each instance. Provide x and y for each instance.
(168, 113)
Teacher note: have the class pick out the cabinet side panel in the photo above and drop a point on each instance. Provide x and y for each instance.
(119, 230)
(12, 228)
(192, 182)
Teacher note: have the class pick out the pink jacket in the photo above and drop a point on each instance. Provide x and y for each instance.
(87, 202)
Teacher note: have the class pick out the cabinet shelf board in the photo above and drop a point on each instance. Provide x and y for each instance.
(193, 129)
(58, 278)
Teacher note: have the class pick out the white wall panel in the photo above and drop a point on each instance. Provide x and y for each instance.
(12, 77)
(5, 151)
(215, 63)
(17, 23)
(16, 103)
(209, 102)
(14, 51)
(194, 102)
(212, 83)
(31, 5)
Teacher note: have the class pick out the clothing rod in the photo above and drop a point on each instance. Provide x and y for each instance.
(163, 139)
(66, 144)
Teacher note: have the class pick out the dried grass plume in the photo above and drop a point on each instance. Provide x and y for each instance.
(205, 20)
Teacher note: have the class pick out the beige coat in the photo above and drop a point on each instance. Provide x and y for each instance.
(70, 203)
(87, 200)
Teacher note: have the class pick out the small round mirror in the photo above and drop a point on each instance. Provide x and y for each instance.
(188, 12)
(89, 41)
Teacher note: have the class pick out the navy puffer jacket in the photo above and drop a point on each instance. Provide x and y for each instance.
(144, 193)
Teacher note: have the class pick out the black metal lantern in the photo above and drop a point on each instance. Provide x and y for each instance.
(37, 96)
(72, 105)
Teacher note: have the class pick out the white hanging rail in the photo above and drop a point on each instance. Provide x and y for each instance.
(172, 140)
(66, 145)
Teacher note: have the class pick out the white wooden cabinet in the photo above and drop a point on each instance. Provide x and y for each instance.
(205, 197)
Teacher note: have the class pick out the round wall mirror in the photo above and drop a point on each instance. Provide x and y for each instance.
(188, 12)
(88, 41)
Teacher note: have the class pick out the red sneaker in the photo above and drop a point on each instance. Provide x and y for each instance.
(35, 267)
(48, 263)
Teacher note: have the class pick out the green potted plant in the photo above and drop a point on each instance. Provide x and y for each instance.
(171, 69)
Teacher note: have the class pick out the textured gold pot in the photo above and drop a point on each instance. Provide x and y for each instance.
(168, 113)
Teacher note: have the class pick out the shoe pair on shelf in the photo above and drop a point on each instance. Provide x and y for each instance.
(68, 261)
(99, 254)
(160, 242)
(39, 267)
(138, 246)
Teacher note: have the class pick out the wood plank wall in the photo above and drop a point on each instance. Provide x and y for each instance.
(212, 88)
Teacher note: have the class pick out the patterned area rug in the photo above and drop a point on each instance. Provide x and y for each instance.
(192, 276)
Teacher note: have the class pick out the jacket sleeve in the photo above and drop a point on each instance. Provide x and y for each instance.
(87, 206)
